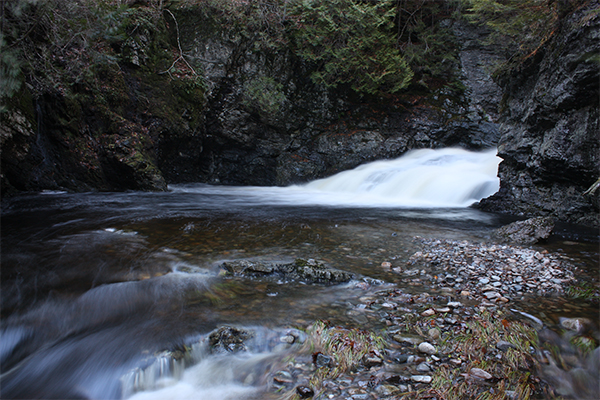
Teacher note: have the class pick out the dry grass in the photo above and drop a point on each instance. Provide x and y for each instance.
(347, 347)
(475, 347)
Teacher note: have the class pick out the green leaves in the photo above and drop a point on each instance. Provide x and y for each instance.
(350, 42)
(524, 24)
(10, 71)
(375, 47)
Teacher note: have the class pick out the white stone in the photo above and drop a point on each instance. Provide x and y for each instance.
(421, 378)
(428, 312)
(479, 373)
(427, 348)
(491, 295)
(423, 367)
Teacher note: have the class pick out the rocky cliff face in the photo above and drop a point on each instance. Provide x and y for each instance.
(550, 142)
(256, 119)
(293, 131)
(85, 122)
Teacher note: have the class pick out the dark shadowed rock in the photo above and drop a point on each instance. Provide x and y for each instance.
(529, 231)
(321, 360)
(550, 143)
(305, 391)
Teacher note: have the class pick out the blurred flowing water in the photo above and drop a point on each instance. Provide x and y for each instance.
(93, 284)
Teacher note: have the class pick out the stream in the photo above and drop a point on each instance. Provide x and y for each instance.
(95, 283)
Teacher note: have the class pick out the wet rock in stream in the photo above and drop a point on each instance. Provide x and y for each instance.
(230, 339)
(308, 271)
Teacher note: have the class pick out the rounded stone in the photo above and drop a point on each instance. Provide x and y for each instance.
(479, 373)
(427, 313)
(434, 333)
(421, 378)
(427, 348)
(423, 367)
(504, 345)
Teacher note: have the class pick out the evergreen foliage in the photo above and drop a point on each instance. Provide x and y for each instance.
(375, 47)
(60, 43)
(521, 26)
(423, 34)
(351, 42)
(260, 21)
(264, 95)
(370, 46)
(70, 47)
(10, 73)
(11, 78)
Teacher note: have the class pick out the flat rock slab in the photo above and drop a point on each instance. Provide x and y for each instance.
(308, 271)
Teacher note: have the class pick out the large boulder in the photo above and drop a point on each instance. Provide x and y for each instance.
(527, 232)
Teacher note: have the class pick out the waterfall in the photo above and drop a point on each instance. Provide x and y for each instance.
(449, 177)
(426, 178)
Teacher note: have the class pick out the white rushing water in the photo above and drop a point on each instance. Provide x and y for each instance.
(426, 178)
(448, 177)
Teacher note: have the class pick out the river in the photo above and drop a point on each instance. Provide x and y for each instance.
(94, 283)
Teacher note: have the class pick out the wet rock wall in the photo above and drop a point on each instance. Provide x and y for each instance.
(550, 143)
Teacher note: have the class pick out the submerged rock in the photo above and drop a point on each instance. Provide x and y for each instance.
(248, 268)
(529, 231)
(309, 271)
(578, 325)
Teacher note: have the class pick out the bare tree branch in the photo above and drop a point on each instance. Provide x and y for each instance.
(181, 57)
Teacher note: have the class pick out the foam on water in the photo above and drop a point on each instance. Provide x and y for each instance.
(214, 378)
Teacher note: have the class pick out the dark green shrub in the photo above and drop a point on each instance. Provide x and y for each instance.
(350, 42)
